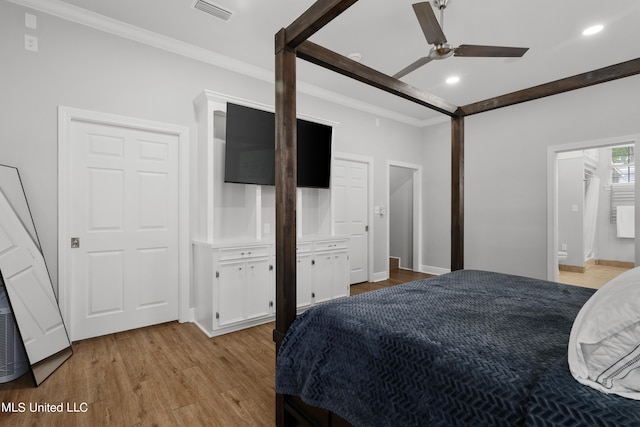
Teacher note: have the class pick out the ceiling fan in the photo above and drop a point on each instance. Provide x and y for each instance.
(441, 49)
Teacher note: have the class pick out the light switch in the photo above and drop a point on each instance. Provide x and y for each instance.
(574, 208)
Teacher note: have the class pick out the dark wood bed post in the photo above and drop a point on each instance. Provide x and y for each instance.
(457, 193)
(285, 180)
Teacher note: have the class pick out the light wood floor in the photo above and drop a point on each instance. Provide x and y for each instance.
(164, 375)
(594, 277)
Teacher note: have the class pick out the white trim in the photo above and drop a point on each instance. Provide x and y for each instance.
(417, 210)
(67, 115)
(552, 194)
(429, 269)
(220, 100)
(380, 276)
(370, 222)
(118, 28)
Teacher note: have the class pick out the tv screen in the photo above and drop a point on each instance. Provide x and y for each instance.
(314, 154)
(250, 149)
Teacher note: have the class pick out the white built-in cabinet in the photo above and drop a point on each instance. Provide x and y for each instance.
(233, 249)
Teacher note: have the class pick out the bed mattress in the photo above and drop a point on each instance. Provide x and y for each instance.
(465, 348)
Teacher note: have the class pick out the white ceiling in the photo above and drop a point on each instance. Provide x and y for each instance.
(389, 38)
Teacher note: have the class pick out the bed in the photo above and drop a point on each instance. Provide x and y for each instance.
(291, 43)
(471, 348)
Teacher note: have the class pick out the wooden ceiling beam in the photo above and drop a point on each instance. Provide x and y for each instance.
(326, 58)
(313, 19)
(601, 75)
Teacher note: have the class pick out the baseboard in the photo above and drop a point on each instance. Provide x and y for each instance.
(593, 262)
(190, 316)
(612, 263)
(429, 269)
(380, 276)
(571, 268)
(589, 263)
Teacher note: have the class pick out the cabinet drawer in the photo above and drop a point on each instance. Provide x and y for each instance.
(331, 245)
(244, 252)
(303, 247)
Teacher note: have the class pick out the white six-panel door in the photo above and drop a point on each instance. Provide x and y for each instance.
(124, 213)
(350, 187)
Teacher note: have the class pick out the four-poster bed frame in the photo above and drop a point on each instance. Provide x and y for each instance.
(292, 43)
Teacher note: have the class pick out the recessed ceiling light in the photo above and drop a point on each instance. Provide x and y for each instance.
(453, 80)
(592, 30)
(355, 56)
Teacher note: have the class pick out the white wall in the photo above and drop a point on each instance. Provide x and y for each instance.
(80, 67)
(506, 173)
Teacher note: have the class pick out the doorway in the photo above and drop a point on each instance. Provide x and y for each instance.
(588, 187)
(404, 214)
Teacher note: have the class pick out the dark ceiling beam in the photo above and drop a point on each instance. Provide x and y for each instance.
(602, 75)
(326, 58)
(317, 16)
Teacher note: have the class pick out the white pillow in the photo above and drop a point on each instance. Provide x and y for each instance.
(604, 345)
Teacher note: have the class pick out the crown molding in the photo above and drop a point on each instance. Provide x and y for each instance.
(118, 28)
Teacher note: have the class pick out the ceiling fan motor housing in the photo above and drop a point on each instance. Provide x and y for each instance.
(440, 4)
(441, 51)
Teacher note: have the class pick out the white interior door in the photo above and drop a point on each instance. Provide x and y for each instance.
(25, 275)
(350, 188)
(124, 213)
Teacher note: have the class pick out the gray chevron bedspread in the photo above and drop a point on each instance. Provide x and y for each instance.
(464, 349)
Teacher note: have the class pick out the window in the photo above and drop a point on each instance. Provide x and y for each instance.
(623, 168)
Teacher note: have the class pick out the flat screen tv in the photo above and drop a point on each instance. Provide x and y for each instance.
(250, 149)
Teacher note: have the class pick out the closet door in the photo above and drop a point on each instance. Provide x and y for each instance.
(125, 192)
(350, 188)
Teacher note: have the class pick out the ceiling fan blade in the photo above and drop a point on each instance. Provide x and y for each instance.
(429, 23)
(419, 63)
(490, 51)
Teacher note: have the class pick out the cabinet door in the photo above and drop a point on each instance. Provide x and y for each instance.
(258, 288)
(303, 281)
(322, 277)
(341, 274)
(231, 293)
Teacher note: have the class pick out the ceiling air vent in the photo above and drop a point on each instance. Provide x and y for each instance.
(213, 9)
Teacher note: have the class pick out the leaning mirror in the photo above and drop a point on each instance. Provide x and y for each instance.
(26, 281)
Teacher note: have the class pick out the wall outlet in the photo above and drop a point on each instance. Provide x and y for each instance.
(563, 247)
(267, 228)
(31, 43)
